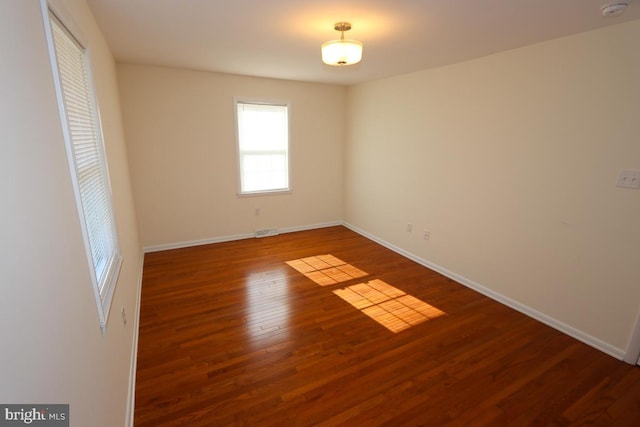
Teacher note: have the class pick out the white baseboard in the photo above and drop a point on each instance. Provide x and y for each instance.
(535, 314)
(179, 245)
(310, 227)
(131, 398)
(187, 244)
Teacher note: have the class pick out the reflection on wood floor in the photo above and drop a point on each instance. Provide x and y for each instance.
(325, 327)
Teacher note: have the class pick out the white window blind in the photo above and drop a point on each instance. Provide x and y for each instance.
(87, 161)
(263, 146)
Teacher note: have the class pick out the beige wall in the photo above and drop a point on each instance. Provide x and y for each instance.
(52, 350)
(510, 161)
(181, 139)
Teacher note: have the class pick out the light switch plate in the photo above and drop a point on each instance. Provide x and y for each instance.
(629, 178)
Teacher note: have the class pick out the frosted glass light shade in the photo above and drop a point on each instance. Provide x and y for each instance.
(342, 52)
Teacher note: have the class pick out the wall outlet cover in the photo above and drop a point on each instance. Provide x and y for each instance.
(629, 178)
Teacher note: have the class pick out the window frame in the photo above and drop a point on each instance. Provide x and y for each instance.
(266, 102)
(103, 286)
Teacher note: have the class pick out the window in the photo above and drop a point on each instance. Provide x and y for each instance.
(83, 138)
(263, 146)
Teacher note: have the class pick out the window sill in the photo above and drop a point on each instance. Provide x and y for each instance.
(265, 193)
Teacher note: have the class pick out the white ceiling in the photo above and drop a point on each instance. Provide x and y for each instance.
(282, 38)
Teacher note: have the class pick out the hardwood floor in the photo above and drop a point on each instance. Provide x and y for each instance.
(230, 334)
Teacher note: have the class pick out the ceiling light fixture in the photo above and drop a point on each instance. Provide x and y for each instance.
(342, 52)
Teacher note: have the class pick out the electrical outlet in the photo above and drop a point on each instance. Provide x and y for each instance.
(629, 179)
(124, 315)
(409, 228)
(257, 211)
(427, 235)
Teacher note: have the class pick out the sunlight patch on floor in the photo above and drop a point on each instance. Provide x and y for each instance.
(326, 270)
(388, 305)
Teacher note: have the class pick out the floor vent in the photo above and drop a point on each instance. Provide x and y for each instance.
(267, 232)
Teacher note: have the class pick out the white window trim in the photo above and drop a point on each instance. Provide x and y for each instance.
(104, 296)
(265, 101)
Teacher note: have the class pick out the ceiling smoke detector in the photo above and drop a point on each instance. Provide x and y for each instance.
(614, 9)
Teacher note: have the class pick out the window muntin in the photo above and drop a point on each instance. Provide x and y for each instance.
(263, 146)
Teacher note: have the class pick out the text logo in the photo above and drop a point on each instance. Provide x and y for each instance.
(40, 415)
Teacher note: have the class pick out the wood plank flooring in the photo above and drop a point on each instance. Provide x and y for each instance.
(230, 334)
